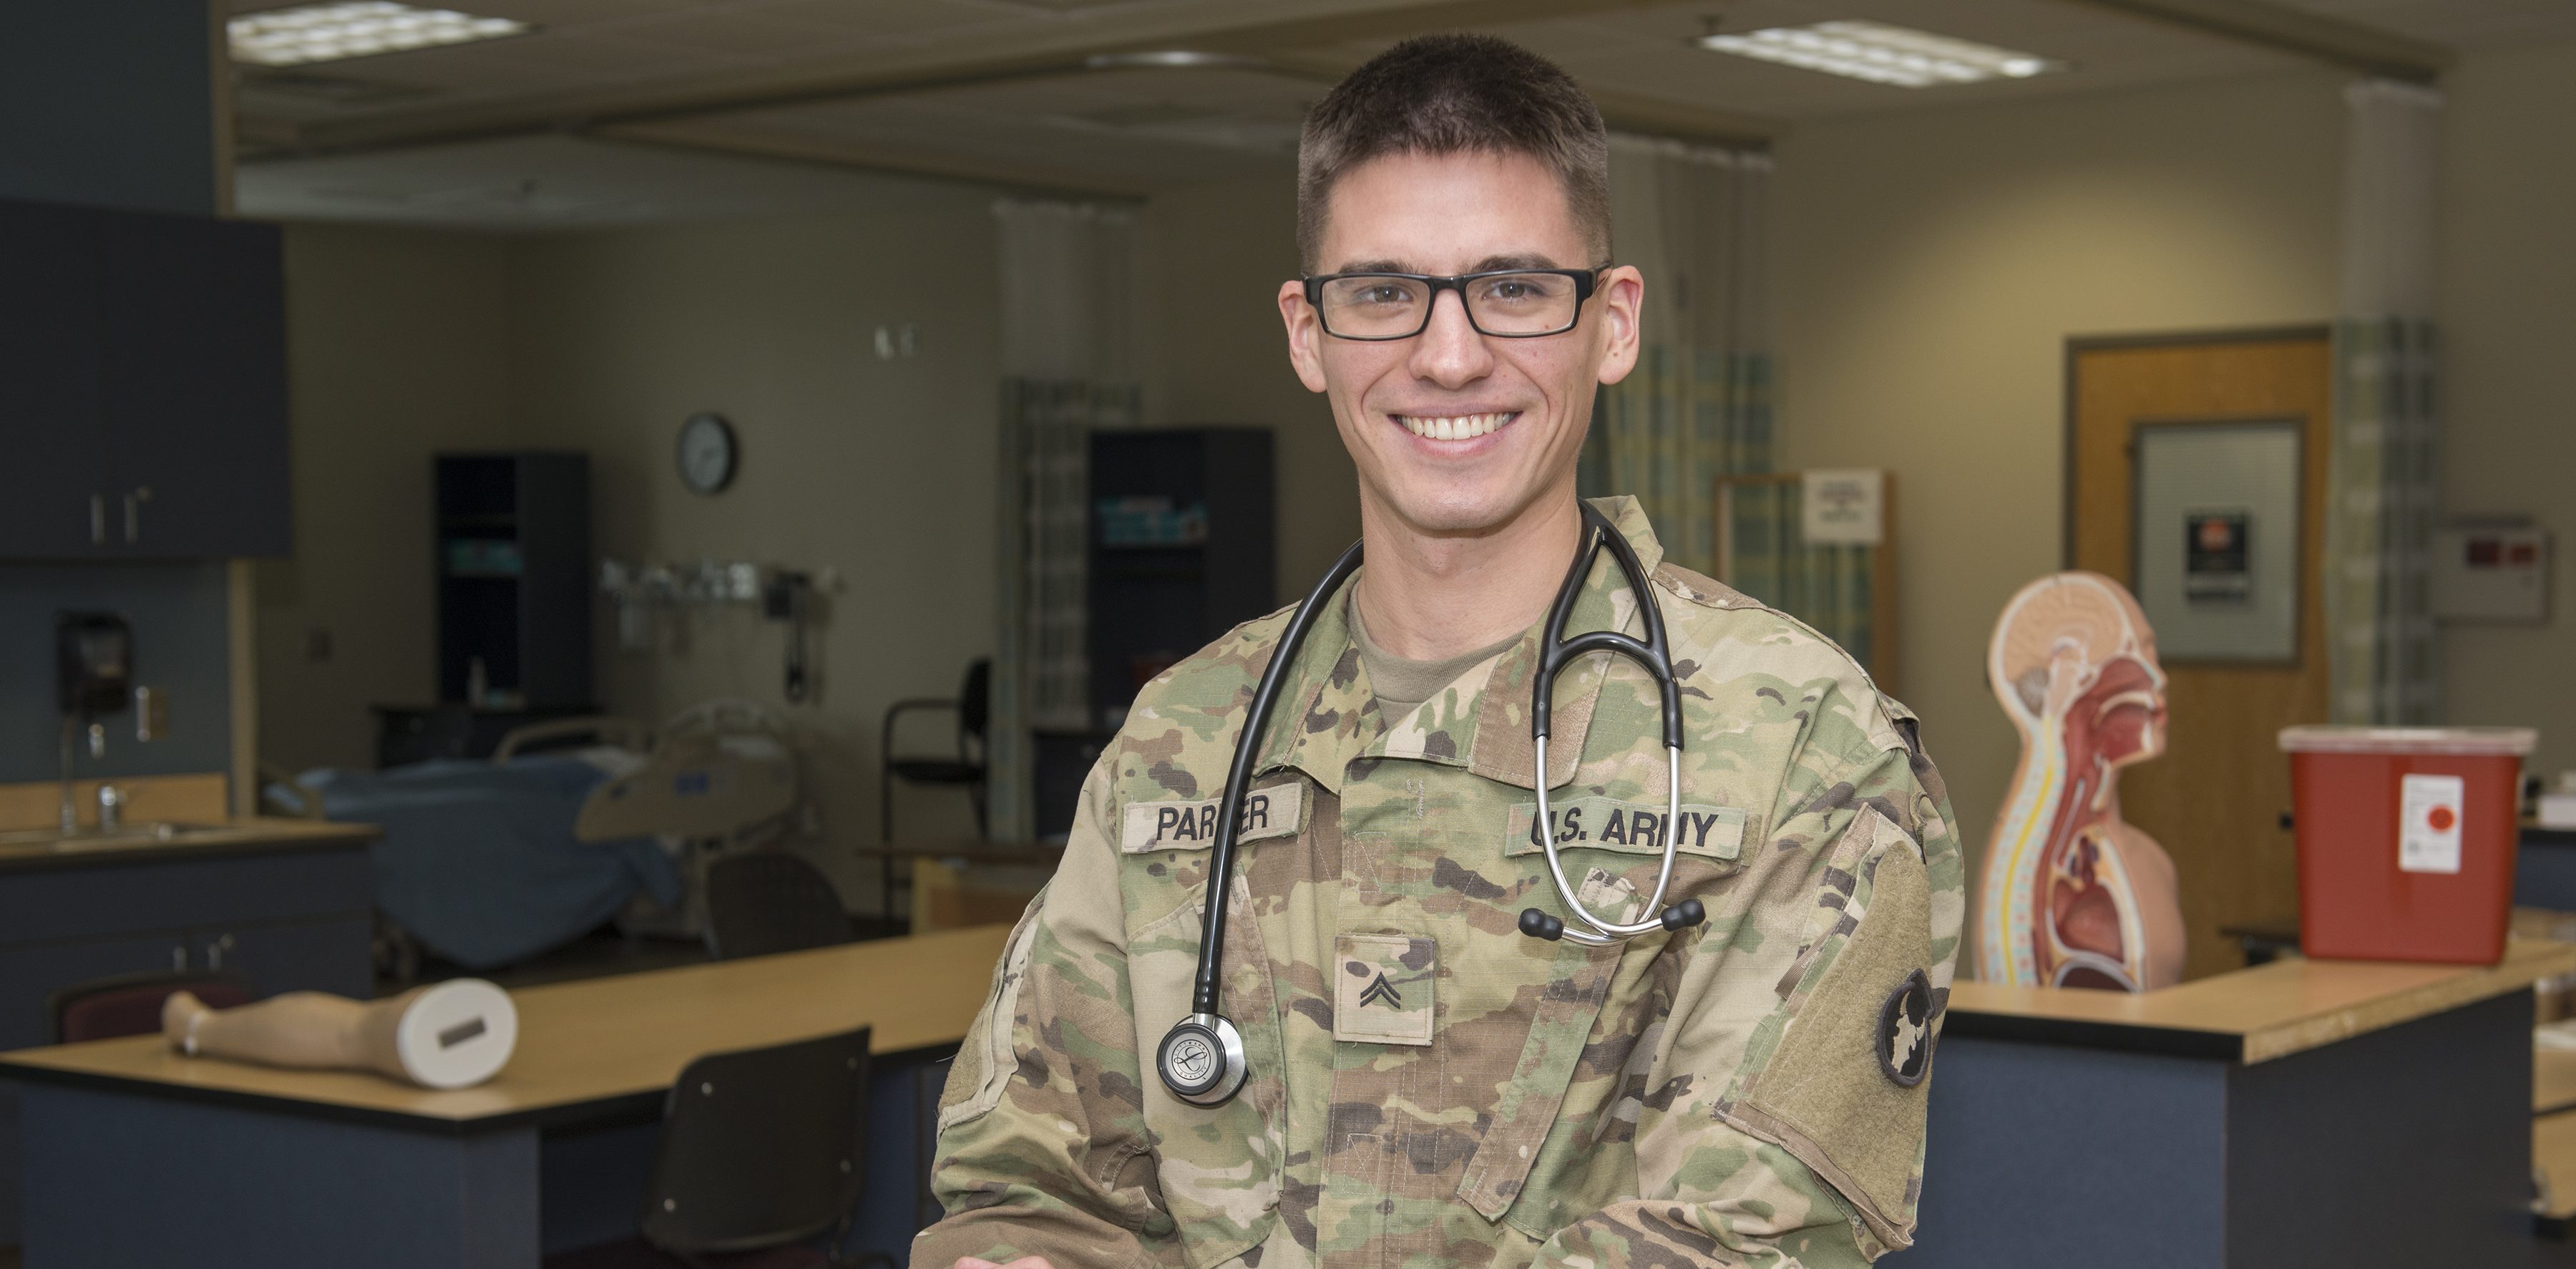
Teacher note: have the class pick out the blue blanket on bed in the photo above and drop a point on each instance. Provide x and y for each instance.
(478, 859)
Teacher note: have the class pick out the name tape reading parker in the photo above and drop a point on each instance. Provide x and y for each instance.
(1271, 812)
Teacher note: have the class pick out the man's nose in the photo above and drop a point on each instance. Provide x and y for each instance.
(1449, 352)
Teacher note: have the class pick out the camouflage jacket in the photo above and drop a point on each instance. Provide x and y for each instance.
(1428, 1086)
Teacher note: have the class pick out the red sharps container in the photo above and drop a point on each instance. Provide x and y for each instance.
(2406, 840)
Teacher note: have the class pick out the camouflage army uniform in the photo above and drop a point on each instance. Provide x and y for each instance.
(1429, 1087)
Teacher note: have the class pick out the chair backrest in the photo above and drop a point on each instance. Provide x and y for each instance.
(130, 1004)
(761, 902)
(975, 703)
(761, 1147)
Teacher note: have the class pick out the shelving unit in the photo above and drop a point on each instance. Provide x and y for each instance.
(513, 569)
(1182, 548)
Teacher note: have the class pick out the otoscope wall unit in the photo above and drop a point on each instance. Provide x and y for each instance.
(652, 597)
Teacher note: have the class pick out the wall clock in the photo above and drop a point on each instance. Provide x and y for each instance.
(707, 453)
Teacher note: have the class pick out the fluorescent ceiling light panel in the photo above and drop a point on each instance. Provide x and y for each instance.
(331, 32)
(1882, 54)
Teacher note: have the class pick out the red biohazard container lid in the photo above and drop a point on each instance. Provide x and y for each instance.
(2478, 742)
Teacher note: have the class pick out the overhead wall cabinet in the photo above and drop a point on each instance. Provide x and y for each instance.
(142, 386)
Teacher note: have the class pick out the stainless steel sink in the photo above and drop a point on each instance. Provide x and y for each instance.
(93, 839)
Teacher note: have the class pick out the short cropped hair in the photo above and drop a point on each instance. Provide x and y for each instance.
(1456, 94)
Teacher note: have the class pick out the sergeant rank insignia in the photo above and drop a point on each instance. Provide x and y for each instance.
(1382, 992)
(1905, 1031)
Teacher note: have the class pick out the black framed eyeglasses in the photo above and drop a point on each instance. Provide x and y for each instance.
(1505, 303)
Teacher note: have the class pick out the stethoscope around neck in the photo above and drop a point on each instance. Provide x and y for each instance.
(1201, 1059)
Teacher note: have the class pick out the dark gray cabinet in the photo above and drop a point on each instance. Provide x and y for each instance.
(285, 919)
(142, 386)
(51, 455)
(194, 396)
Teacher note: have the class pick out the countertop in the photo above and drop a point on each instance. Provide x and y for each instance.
(599, 1048)
(2252, 1015)
(247, 836)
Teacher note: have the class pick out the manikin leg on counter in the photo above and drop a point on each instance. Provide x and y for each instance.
(453, 1034)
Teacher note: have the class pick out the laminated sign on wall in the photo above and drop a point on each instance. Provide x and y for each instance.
(1842, 507)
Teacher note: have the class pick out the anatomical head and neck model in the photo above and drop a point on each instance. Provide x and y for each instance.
(2073, 896)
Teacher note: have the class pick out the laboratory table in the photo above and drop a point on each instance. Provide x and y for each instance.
(2303, 1112)
(139, 1157)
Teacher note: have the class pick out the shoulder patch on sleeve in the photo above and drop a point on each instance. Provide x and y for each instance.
(1844, 1088)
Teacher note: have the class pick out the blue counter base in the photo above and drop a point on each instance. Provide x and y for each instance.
(119, 1180)
(2410, 1145)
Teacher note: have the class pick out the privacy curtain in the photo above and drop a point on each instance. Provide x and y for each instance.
(1831, 588)
(1698, 405)
(1067, 367)
(2385, 472)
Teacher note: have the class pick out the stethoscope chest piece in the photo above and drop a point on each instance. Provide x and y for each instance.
(1201, 1060)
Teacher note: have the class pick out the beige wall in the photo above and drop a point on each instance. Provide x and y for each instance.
(1212, 259)
(1931, 267)
(879, 470)
(2508, 308)
(397, 347)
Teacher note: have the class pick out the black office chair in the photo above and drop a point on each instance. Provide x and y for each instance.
(764, 902)
(761, 1157)
(974, 709)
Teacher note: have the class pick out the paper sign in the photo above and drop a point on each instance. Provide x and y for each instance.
(2428, 823)
(1842, 507)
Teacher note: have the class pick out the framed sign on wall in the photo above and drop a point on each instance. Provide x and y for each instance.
(2215, 533)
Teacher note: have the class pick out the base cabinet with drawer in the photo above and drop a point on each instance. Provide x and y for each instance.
(284, 919)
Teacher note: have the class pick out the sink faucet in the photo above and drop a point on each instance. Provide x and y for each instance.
(111, 801)
(97, 749)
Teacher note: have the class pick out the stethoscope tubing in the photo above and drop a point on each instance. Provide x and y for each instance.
(1654, 655)
(1604, 933)
(1238, 779)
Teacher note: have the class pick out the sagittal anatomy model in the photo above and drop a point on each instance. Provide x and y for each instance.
(2072, 896)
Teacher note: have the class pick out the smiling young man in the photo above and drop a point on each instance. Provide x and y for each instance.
(1428, 1086)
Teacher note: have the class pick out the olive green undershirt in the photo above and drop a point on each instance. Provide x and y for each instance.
(1403, 685)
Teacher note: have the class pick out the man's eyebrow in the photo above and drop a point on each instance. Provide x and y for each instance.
(1517, 260)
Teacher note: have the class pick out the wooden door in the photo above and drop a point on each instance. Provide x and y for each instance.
(2215, 797)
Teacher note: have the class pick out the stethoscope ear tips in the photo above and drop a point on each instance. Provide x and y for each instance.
(1680, 916)
(1539, 925)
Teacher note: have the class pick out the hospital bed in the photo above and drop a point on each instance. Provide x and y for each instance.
(573, 823)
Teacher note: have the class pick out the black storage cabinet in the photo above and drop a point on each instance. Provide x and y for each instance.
(513, 571)
(1153, 603)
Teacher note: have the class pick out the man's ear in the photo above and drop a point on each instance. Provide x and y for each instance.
(1305, 335)
(1622, 296)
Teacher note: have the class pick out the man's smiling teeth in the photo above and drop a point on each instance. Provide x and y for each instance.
(1456, 427)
